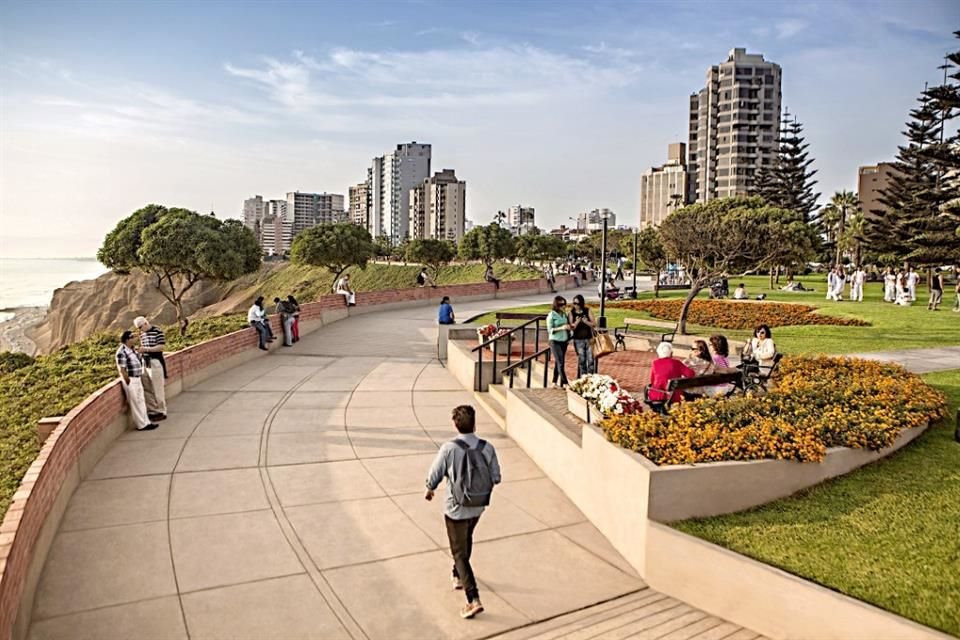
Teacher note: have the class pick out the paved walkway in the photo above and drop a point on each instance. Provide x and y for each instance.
(919, 360)
(283, 499)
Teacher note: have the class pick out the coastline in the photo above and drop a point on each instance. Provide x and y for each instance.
(13, 332)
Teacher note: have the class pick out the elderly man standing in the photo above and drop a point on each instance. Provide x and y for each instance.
(152, 344)
(131, 372)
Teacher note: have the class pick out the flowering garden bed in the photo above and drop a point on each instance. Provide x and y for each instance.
(818, 403)
(604, 395)
(726, 314)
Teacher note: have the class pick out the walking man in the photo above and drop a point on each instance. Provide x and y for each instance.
(152, 343)
(471, 468)
(131, 370)
(936, 291)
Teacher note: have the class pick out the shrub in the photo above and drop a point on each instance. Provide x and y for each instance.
(727, 314)
(11, 361)
(818, 403)
(55, 383)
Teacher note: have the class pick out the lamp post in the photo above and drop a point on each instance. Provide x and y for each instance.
(636, 234)
(602, 320)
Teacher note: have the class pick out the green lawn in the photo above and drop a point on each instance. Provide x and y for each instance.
(888, 533)
(891, 327)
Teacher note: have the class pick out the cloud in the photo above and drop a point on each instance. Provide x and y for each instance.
(789, 27)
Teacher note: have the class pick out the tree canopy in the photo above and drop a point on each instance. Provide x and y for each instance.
(179, 248)
(335, 247)
(733, 236)
(651, 253)
(488, 243)
(789, 182)
(431, 253)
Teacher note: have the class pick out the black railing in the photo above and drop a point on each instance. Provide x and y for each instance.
(528, 361)
(532, 319)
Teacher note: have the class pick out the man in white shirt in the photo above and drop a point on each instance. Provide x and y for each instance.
(912, 279)
(344, 289)
(257, 318)
(856, 284)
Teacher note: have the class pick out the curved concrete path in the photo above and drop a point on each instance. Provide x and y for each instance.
(283, 499)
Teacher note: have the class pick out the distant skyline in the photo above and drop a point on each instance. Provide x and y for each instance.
(108, 106)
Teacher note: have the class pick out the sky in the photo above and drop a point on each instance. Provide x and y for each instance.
(108, 106)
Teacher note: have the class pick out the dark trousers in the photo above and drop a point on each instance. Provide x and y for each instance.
(263, 332)
(559, 352)
(460, 535)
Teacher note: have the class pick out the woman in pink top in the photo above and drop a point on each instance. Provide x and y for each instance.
(720, 350)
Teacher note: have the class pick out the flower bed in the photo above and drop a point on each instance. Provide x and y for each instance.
(726, 314)
(818, 403)
(605, 394)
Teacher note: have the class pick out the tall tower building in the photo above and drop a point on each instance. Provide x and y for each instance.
(521, 219)
(438, 208)
(390, 179)
(360, 204)
(253, 212)
(276, 230)
(734, 124)
(664, 189)
(307, 210)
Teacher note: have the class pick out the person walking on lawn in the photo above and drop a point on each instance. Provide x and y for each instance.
(471, 469)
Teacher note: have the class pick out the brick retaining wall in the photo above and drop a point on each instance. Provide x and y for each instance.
(59, 465)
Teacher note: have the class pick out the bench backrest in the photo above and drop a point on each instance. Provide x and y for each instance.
(679, 384)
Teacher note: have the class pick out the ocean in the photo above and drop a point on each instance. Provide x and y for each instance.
(31, 282)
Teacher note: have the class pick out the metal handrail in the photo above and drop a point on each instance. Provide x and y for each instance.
(511, 332)
(493, 341)
(529, 362)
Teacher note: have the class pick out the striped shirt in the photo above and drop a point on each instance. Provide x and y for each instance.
(152, 337)
(129, 360)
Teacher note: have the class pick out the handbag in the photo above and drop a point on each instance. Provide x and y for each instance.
(601, 344)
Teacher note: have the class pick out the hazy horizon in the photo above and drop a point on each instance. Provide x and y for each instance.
(107, 107)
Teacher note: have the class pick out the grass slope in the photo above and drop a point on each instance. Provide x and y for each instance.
(891, 327)
(886, 533)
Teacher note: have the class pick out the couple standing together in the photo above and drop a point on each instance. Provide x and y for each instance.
(577, 325)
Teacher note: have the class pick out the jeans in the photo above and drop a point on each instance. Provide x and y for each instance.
(460, 536)
(559, 352)
(287, 330)
(584, 356)
(263, 333)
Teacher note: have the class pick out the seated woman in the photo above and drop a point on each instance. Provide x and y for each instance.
(761, 347)
(720, 352)
(903, 298)
(740, 293)
(664, 369)
(700, 359)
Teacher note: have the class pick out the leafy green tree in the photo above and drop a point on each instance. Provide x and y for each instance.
(731, 236)
(336, 247)
(527, 246)
(651, 253)
(488, 243)
(550, 247)
(179, 248)
(833, 220)
(432, 253)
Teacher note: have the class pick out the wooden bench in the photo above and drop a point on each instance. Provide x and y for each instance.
(756, 376)
(735, 378)
(629, 330)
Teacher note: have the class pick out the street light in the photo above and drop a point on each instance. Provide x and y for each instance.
(636, 234)
(602, 320)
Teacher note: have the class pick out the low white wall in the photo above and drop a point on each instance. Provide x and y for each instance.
(708, 489)
(763, 598)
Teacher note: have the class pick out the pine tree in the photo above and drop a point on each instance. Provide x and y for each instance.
(788, 183)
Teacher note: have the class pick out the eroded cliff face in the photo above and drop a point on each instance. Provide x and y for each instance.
(112, 301)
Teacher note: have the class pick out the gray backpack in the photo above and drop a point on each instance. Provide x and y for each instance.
(473, 483)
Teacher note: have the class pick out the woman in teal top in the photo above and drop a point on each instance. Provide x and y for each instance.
(558, 331)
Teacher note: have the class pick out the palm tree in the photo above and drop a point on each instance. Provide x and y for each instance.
(833, 219)
(855, 235)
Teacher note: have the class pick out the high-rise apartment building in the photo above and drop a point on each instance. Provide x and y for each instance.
(307, 210)
(360, 204)
(664, 189)
(521, 219)
(734, 124)
(253, 212)
(390, 179)
(871, 182)
(276, 230)
(438, 208)
(588, 221)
